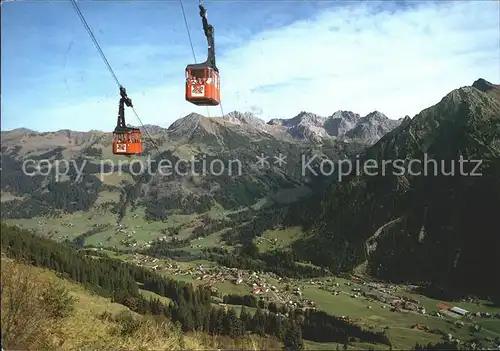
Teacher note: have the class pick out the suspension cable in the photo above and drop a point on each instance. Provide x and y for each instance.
(194, 55)
(190, 40)
(110, 69)
(93, 38)
(188, 31)
(106, 62)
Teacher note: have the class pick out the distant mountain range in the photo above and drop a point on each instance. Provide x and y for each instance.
(240, 136)
(237, 135)
(305, 126)
(341, 124)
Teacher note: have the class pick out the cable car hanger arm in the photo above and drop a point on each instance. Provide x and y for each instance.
(124, 100)
(209, 33)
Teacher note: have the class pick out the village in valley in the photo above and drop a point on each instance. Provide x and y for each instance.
(442, 320)
(398, 310)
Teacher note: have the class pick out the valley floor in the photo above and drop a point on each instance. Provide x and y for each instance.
(407, 317)
(404, 315)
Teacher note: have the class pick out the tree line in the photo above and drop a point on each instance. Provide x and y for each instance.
(190, 307)
(444, 346)
(282, 263)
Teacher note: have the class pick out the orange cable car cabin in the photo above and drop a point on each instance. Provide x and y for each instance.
(126, 140)
(202, 85)
(202, 79)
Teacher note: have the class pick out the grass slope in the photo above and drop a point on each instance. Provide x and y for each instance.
(31, 296)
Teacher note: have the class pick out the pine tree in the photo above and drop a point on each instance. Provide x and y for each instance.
(293, 338)
(236, 328)
(229, 322)
(261, 303)
(246, 318)
(278, 328)
(212, 325)
(258, 322)
(272, 307)
(186, 316)
(219, 322)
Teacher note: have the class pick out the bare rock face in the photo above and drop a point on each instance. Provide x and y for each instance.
(152, 129)
(486, 87)
(341, 124)
(372, 127)
(244, 118)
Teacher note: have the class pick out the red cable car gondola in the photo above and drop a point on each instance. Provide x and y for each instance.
(126, 140)
(202, 79)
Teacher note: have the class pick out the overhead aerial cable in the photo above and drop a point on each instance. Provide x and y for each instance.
(190, 42)
(126, 140)
(202, 79)
(206, 72)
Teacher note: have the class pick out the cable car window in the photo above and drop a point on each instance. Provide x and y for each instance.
(197, 76)
(198, 73)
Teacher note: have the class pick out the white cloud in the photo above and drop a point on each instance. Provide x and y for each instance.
(350, 58)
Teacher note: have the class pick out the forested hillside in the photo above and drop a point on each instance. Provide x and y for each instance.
(437, 226)
(190, 307)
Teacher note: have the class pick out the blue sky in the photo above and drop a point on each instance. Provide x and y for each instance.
(276, 58)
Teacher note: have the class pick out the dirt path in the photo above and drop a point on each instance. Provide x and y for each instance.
(371, 243)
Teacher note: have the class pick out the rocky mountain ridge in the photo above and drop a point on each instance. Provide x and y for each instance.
(306, 126)
(239, 137)
(341, 124)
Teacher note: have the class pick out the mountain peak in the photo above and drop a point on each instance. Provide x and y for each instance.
(308, 117)
(486, 87)
(340, 122)
(152, 128)
(372, 127)
(483, 85)
(307, 125)
(21, 130)
(345, 115)
(194, 124)
(249, 118)
(376, 115)
(303, 118)
(187, 119)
